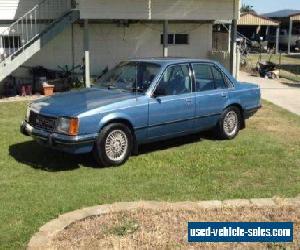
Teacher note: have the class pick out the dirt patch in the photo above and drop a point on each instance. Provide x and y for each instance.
(167, 229)
(20, 98)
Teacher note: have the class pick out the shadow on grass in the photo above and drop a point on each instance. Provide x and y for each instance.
(176, 142)
(295, 56)
(292, 68)
(294, 85)
(38, 157)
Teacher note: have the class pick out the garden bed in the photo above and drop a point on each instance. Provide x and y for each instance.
(167, 229)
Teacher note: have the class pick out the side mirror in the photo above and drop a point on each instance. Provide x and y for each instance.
(159, 92)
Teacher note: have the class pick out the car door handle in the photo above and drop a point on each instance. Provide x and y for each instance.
(188, 101)
(224, 94)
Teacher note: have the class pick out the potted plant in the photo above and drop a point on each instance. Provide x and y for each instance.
(48, 89)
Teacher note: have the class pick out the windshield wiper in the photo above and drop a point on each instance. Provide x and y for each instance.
(111, 87)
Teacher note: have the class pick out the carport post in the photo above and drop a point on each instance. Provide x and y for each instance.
(233, 47)
(277, 40)
(86, 47)
(267, 31)
(290, 36)
(229, 37)
(166, 39)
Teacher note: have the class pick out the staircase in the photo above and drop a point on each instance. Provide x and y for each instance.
(31, 32)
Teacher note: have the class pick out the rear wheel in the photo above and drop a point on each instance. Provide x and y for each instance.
(229, 124)
(113, 145)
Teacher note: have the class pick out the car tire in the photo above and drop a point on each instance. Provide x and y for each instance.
(229, 123)
(113, 145)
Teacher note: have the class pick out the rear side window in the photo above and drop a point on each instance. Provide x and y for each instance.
(204, 77)
(208, 77)
(219, 79)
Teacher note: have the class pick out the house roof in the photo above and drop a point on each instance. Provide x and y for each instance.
(255, 19)
(295, 17)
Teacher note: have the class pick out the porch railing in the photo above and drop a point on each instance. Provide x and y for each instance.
(28, 27)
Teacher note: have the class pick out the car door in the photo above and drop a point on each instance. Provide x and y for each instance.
(172, 107)
(211, 93)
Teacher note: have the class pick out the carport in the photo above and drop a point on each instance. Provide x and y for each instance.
(251, 24)
(292, 19)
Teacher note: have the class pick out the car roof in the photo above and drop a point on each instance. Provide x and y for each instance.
(166, 61)
(170, 60)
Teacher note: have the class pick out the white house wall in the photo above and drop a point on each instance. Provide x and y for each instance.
(110, 44)
(134, 9)
(57, 52)
(157, 9)
(192, 9)
(107, 9)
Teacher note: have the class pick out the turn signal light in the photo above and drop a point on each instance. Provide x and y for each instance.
(74, 126)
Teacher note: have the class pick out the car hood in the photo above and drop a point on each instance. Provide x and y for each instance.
(76, 102)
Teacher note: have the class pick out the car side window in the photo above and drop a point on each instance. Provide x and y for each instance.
(204, 77)
(219, 79)
(175, 81)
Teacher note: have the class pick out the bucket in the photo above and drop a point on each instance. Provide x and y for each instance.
(48, 90)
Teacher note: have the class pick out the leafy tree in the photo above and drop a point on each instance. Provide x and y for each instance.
(247, 9)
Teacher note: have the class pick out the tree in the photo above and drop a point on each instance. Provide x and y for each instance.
(247, 9)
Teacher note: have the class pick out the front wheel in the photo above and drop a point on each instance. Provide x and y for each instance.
(113, 145)
(229, 124)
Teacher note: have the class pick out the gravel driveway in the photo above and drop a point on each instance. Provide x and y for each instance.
(274, 91)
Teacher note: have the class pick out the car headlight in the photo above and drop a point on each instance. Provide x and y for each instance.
(27, 114)
(69, 126)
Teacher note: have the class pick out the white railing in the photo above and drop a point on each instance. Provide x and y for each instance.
(28, 27)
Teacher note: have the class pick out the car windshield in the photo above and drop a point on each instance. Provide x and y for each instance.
(130, 76)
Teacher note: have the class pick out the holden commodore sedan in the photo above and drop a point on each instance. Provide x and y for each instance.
(142, 101)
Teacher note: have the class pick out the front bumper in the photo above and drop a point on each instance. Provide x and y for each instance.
(72, 144)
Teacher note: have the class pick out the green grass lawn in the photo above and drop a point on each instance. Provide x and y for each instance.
(38, 184)
(290, 64)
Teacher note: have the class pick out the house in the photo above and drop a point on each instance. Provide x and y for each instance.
(100, 33)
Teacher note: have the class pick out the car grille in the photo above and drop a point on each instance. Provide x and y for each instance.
(39, 121)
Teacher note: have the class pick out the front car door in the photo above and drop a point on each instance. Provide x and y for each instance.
(172, 108)
(211, 91)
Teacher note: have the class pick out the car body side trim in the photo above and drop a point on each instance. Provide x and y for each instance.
(178, 121)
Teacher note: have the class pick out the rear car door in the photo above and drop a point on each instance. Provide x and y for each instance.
(172, 109)
(211, 91)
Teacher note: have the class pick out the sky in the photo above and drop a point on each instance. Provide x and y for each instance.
(266, 6)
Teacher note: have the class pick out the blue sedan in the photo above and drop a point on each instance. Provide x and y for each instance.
(142, 101)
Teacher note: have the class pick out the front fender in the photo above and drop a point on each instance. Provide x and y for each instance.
(114, 116)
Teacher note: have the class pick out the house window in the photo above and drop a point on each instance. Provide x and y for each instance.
(11, 42)
(176, 39)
